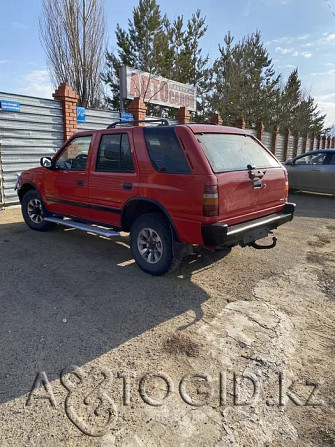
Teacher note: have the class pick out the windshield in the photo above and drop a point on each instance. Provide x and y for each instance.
(228, 152)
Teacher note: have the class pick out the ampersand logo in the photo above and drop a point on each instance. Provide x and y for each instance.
(104, 406)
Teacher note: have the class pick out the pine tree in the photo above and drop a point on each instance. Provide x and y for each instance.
(298, 112)
(144, 46)
(155, 45)
(244, 82)
(245, 85)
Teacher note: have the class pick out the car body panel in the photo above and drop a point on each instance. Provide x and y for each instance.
(313, 176)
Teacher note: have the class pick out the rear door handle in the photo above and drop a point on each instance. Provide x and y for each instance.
(80, 182)
(127, 186)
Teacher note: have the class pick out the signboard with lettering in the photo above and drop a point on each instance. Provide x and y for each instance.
(156, 89)
(125, 117)
(81, 114)
(9, 106)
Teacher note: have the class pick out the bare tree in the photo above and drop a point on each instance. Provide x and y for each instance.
(73, 36)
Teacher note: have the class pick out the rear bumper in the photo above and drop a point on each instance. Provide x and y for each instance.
(216, 235)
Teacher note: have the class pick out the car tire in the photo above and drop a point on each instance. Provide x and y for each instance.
(152, 243)
(33, 212)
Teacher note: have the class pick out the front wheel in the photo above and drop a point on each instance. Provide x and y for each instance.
(33, 212)
(153, 245)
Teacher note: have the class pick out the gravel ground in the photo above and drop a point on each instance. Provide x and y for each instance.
(227, 350)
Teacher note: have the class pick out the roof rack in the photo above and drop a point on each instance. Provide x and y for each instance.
(163, 122)
(203, 122)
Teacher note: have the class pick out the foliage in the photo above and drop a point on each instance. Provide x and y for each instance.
(155, 45)
(298, 112)
(245, 85)
(241, 83)
(244, 82)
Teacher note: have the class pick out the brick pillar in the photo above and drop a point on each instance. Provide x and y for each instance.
(183, 116)
(323, 141)
(287, 142)
(274, 139)
(216, 118)
(333, 142)
(69, 98)
(318, 142)
(240, 123)
(138, 109)
(260, 130)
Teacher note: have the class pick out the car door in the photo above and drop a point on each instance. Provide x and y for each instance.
(305, 172)
(114, 177)
(66, 186)
(327, 182)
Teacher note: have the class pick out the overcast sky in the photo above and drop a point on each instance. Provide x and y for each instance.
(297, 33)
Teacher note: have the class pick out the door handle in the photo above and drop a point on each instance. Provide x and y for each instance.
(127, 186)
(80, 182)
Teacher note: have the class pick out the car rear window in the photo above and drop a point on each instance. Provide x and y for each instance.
(164, 150)
(229, 152)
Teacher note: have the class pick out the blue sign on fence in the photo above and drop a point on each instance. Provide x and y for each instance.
(9, 106)
(126, 117)
(81, 114)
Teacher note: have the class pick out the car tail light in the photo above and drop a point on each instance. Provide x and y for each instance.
(211, 201)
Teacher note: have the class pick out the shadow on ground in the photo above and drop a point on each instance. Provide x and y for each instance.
(90, 282)
(95, 286)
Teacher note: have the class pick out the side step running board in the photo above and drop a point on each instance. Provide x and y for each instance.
(101, 231)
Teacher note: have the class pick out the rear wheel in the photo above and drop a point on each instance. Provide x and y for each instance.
(153, 244)
(33, 211)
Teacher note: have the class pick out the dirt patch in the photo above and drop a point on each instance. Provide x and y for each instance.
(327, 284)
(321, 240)
(180, 344)
(320, 259)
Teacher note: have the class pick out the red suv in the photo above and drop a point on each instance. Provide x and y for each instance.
(171, 187)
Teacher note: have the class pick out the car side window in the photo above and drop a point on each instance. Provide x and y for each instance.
(332, 160)
(311, 159)
(164, 150)
(74, 156)
(114, 154)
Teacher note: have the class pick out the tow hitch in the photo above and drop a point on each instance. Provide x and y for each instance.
(264, 247)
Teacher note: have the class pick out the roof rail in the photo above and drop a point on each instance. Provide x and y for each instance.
(203, 122)
(163, 122)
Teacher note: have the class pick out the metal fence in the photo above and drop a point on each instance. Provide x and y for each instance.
(98, 119)
(26, 136)
(280, 147)
(37, 130)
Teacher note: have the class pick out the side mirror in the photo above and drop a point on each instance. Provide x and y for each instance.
(289, 162)
(46, 162)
